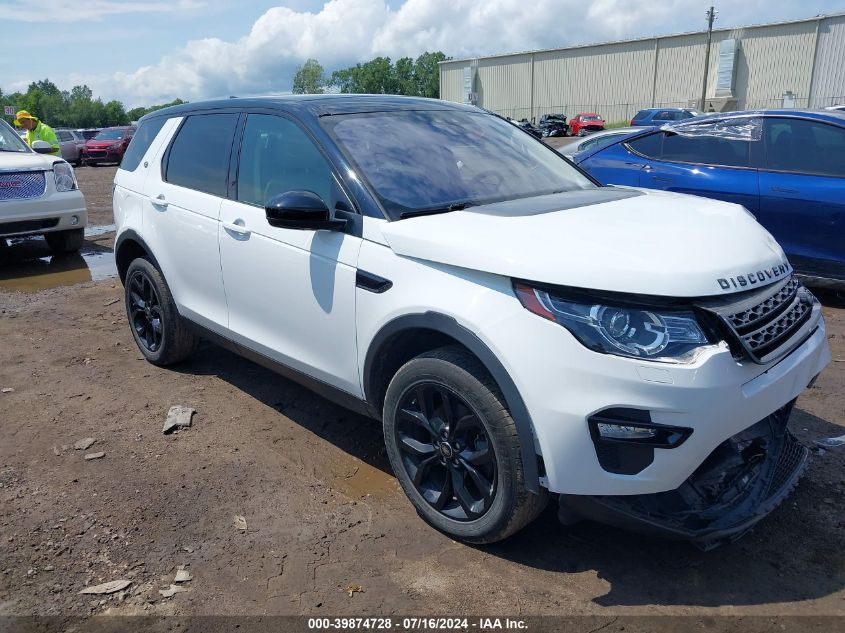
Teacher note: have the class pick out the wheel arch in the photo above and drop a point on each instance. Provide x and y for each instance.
(410, 335)
(128, 247)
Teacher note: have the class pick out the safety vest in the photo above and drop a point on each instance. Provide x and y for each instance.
(44, 132)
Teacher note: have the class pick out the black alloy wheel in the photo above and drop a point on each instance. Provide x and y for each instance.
(446, 451)
(145, 312)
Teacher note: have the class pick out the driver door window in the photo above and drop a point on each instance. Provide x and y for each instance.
(276, 157)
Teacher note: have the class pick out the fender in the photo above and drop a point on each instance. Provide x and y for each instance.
(449, 326)
(130, 234)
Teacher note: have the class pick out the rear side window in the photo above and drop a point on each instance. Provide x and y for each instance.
(650, 146)
(642, 114)
(141, 142)
(64, 136)
(804, 147)
(199, 156)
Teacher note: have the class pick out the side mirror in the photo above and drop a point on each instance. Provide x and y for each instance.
(42, 147)
(303, 210)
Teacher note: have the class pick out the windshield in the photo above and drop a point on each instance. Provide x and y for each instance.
(417, 161)
(10, 141)
(110, 135)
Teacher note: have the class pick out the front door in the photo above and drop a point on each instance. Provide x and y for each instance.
(802, 193)
(291, 293)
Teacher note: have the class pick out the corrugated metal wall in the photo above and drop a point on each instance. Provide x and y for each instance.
(617, 79)
(829, 73)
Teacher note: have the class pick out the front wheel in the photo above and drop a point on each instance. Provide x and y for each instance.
(159, 331)
(68, 241)
(454, 448)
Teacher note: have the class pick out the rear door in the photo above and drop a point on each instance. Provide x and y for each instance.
(802, 193)
(181, 215)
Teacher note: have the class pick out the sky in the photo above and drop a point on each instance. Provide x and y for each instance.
(143, 53)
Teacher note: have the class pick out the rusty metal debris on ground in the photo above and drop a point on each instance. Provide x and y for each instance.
(178, 417)
(353, 589)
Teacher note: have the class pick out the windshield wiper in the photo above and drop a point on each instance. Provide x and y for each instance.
(455, 206)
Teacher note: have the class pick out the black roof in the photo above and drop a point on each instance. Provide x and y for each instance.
(319, 105)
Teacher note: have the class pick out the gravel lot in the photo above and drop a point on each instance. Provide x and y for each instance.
(322, 511)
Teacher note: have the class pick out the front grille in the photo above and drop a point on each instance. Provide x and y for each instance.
(765, 325)
(17, 185)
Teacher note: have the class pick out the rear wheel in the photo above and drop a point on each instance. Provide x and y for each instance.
(65, 241)
(159, 331)
(454, 448)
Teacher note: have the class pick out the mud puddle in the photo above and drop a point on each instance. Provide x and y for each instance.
(364, 480)
(28, 265)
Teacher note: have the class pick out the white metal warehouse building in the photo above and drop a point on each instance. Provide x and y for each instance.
(800, 63)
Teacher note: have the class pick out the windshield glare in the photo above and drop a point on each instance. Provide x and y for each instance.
(109, 135)
(421, 160)
(10, 140)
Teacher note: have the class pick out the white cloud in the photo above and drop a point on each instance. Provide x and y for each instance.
(86, 10)
(343, 32)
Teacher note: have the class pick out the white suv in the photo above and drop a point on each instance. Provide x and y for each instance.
(519, 329)
(39, 194)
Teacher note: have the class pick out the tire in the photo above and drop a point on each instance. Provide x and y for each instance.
(159, 331)
(68, 241)
(481, 437)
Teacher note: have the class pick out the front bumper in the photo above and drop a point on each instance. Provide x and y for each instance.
(54, 211)
(563, 384)
(739, 483)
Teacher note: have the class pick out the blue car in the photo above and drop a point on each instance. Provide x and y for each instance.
(659, 116)
(787, 167)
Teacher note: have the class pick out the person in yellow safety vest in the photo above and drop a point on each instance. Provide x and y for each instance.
(37, 131)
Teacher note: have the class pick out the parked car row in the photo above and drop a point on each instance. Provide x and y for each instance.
(94, 146)
(787, 167)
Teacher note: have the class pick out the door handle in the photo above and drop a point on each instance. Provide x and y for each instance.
(159, 201)
(237, 227)
(785, 190)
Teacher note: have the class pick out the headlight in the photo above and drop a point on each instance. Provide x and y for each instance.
(65, 180)
(663, 335)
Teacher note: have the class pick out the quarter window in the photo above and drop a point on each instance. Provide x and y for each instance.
(199, 156)
(278, 156)
(141, 142)
(64, 136)
(804, 147)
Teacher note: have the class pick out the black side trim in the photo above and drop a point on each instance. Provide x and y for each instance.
(325, 390)
(371, 282)
(449, 326)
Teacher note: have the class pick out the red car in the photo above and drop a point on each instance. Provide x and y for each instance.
(585, 123)
(107, 146)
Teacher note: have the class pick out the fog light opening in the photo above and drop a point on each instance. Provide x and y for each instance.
(624, 432)
(74, 220)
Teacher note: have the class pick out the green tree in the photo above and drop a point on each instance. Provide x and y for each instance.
(427, 74)
(309, 78)
(378, 76)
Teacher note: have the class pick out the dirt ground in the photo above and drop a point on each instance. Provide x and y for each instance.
(322, 510)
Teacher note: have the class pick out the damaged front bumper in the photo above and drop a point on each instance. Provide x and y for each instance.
(739, 483)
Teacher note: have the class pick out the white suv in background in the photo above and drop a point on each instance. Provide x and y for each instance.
(39, 194)
(519, 329)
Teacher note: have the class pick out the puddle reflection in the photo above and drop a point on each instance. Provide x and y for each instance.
(28, 265)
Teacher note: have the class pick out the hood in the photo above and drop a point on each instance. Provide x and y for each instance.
(609, 238)
(98, 144)
(18, 161)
